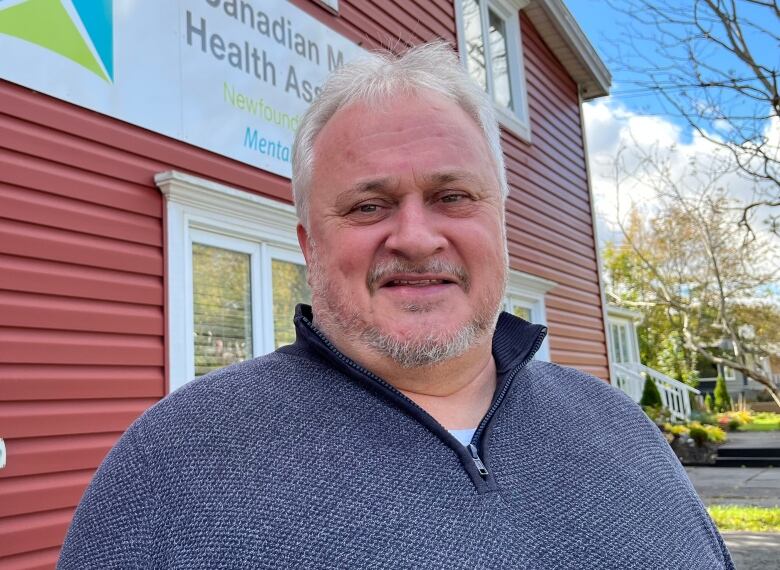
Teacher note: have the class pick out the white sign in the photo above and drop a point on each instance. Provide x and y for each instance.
(230, 76)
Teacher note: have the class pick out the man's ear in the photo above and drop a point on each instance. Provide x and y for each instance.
(303, 241)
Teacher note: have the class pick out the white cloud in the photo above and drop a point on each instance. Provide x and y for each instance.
(611, 128)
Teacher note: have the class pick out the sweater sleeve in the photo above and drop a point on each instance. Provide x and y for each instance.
(112, 526)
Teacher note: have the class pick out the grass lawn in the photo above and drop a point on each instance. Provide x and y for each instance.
(765, 421)
(736, 517)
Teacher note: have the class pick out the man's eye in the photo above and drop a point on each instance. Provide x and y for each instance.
(367, 208)
(451, 198)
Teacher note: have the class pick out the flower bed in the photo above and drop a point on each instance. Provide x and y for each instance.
(694, 443)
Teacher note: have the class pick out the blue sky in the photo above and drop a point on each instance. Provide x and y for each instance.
(630, 118)
(608, 28)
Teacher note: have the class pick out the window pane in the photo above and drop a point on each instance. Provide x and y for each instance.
(475, 44)
(624, 344)
(222, 310)
(502, 92)
(618, 352)
(522, 312)
(289, 289)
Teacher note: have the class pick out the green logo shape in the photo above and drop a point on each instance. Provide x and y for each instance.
(48, 24)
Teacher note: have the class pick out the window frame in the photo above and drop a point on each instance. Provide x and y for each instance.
(230, 243)
(241, 221)
(729, 374)
(518, 122)
(529, 291)
(622, 339)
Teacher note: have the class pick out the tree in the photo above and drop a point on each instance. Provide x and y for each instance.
(713, 63)
(684, 264)
(722, 398)
(660, 337)
(651, 397)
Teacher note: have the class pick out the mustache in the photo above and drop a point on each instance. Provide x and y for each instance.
(382, 270)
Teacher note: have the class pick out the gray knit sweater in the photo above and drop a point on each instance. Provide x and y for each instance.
(301, 459)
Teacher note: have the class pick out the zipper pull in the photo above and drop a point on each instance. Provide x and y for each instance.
(477, 461)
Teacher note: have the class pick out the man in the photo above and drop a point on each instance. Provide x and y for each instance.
(408, 426)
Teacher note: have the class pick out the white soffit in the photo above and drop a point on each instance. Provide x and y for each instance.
(623, 313)
(568, 42)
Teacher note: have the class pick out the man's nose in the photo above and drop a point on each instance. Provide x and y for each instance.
(416, 232)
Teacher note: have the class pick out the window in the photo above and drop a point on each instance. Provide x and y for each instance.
(621, 338)
(489, 44)
(525, 299)
(235, 274)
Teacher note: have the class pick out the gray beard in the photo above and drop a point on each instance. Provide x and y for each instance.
(429, 350)
(334, 314)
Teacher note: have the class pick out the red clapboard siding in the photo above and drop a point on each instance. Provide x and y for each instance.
(71, 280)
(63, 213)
(38, 560)
(42, 242)
(82, 340)
(24, 533)
(60, 382)
(43, 419)
(22, 495)
(550, 201)
(33, 456)
(67, 313)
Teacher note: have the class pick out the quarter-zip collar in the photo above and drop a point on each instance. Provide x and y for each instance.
(515, 342)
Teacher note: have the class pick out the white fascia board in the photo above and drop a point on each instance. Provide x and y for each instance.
(589, 70)
(529, 283)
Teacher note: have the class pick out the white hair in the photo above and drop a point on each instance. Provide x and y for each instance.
(377, 75)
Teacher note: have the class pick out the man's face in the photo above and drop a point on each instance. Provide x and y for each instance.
(405, 240)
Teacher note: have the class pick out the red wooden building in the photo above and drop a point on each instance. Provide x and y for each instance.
(108, 229)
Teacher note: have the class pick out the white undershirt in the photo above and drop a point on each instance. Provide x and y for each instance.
(463, 435)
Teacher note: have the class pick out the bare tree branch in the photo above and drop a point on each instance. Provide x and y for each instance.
(735, 105)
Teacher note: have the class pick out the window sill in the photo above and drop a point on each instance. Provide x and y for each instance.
(512, 124)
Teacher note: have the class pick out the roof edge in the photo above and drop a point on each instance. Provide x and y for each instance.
(588, 69)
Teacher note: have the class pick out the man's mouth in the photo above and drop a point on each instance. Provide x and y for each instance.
(417, 282)
(432, 275)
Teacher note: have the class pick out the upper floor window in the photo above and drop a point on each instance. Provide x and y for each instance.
(489, 43)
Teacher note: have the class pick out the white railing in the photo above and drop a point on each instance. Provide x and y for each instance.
(676, 396)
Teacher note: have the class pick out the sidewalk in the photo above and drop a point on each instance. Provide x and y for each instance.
(753, 550)
(765, 439)
(759, 486)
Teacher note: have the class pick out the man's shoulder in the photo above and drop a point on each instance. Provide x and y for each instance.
(564, 382)
(574, 396)
(240, 394)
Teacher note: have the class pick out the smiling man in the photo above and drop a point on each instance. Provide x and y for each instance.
(405, 244)
(408, 426)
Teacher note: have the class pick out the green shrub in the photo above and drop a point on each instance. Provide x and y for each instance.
(708, 403)
(676, 429)
(722, 398)
(651, 397)
(698, 434)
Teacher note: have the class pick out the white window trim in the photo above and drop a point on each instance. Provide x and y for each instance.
(530, 290)
(631, 338)
(195, 205)
(509, 10)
